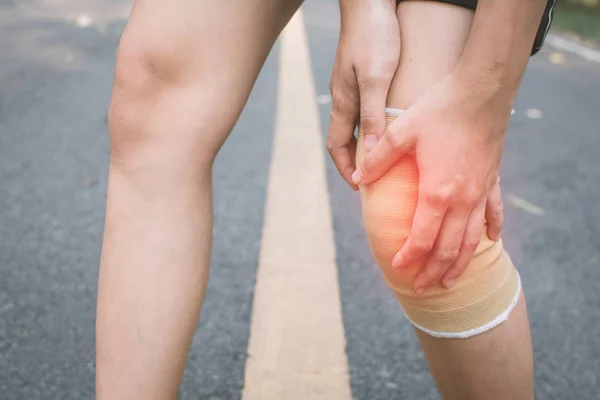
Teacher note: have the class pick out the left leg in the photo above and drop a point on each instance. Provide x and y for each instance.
(184, 71)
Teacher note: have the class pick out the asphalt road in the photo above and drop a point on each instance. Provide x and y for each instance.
(55, 81)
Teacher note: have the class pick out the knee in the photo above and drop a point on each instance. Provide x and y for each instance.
(135, 89)
(483, 296)
(154, 115)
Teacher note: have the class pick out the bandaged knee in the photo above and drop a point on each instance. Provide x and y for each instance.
(482, 297)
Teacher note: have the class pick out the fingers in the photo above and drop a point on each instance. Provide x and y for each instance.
(446, 233)
(341, 142)
(372, 112)
(445, 251)
(424, 231)
(395, 143)
(494, 212)
(470, 241)
(343, 154)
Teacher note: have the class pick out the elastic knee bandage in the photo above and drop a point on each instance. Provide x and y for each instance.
(482, 297)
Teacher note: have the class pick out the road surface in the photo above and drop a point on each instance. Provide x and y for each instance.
(56, 60)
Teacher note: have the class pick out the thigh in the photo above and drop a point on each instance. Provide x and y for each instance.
(543, 28)
(433, 36)
(194, 61)
(206, 38)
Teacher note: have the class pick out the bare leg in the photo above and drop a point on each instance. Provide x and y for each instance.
(184, 71)
(498, 364)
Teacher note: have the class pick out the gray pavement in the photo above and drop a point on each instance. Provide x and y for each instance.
(554, 163)
(55, 79)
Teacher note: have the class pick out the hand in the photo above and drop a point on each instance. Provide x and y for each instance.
(457, 132)
(494, 212)
(366, 60)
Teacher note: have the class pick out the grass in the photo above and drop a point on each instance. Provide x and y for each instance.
(579, 17)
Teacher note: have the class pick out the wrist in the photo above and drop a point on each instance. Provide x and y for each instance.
(493, 85)
(353, 4)
(359, 14)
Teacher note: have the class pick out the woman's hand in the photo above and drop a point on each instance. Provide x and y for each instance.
(456, 130)
(366, 60)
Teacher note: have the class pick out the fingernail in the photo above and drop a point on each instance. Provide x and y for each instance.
(419, 288)
(357, 176)
(448, 283)
(370, 141)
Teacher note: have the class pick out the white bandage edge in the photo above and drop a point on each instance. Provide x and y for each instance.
(475, 331)
(398, 112)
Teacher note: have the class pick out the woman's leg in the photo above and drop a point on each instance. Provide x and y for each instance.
(497, 364)
(184, 71)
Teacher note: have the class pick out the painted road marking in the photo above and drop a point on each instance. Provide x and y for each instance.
(572, 47)
(557, 58)
(296, 349)
(524, 205)
(534, 113)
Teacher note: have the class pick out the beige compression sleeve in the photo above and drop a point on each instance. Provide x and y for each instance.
(481, 298)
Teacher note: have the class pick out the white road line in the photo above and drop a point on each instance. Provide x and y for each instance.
(524, 205)
(572, 47)
(297, 346)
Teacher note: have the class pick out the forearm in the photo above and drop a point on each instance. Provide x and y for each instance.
(499, 45)
(357, 7)
(351, 3)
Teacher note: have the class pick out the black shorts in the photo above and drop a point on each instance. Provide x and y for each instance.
(542, 30)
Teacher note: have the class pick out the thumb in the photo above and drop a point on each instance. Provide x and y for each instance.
(396, 141)
(372, 114)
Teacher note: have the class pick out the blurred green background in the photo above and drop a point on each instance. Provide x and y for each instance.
(579, 17)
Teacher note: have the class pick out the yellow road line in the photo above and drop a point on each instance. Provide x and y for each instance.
(297, 347)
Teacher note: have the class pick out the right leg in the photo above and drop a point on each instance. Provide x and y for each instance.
(184, 71)
(497, 364)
